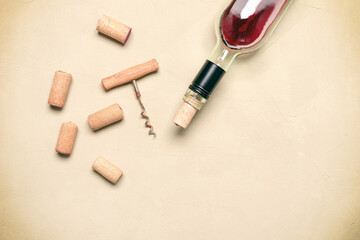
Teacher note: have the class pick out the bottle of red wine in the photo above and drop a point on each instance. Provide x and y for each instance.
(242, 27)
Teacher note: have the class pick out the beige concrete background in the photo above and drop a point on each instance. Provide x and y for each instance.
(274, 154)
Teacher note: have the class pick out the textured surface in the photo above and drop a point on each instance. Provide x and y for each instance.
(273, 155)
(59, 89)
(113, 29)
(106, 116)
(130, 74)
(107, 169)
(66, 138)
(184, 115)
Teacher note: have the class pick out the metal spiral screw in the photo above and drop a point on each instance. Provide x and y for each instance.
(143, 115)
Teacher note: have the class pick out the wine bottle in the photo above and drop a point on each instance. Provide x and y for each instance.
(243, 27)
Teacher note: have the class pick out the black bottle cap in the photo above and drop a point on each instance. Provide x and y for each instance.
(207, 79)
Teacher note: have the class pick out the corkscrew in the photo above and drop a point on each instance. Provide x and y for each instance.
(143, 115)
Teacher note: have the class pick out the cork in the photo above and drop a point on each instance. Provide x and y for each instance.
(105, 117)
(59, 89)
(114, 29)
(130, 74)
(184, 115)
(66, 138)
(107, 169)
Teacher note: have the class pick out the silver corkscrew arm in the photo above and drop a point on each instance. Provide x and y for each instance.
(147, 121)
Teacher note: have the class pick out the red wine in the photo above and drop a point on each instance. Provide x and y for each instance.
(245, 22)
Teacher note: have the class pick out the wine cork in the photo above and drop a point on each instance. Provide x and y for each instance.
(59, 89)
(107, 169)
(130, 74)
(106, 116)
(66, 138)
(114, 29)
(184, 115)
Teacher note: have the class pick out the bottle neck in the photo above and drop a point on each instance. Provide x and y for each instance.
(207, 79)
(209, 76)
(222, 56)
